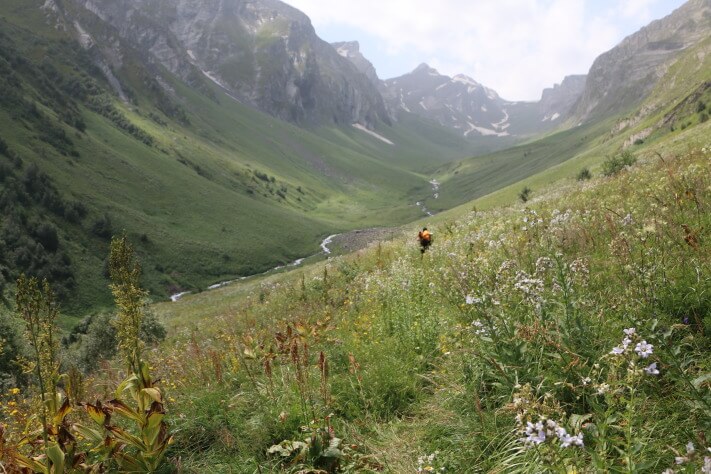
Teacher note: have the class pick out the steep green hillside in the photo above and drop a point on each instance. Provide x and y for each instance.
(209, 189)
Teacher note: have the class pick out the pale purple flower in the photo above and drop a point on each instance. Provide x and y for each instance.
(630, 331)
(652, 369)
(617, 351)
(690, 448)
(644, 350)
(573, 441)
(626, 342)
(536, 434)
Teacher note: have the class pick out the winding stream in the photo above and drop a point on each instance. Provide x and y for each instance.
(435, 190)
(324, 246)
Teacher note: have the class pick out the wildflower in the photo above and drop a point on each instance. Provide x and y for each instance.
(14, 391)
(617, 351)
(603, 388)
(628, 221)
(536, 434)
(706, 469)
(586, 380)
(643, 349)
(652, 369)
(473, 300)
(690, 448)
(568, 440)
(630, 331)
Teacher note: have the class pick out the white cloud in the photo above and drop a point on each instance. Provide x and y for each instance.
(517, 47)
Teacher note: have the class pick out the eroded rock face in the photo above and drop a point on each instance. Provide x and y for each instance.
(626, 74)
(559, 100)
(263, 52)
(351, 51)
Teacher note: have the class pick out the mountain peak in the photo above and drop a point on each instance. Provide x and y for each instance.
(347, 48)
(425, 68)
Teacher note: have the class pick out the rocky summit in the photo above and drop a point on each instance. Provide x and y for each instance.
(263, 53)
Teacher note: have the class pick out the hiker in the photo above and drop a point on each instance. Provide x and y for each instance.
(425, 238)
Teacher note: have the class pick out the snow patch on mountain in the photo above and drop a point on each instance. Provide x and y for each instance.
(372, 133)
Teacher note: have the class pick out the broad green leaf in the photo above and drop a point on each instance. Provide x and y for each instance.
(56, 456)
(90, 434)
(63, 411)
(145, 374)
(117, 406)
(577, 421)
(130, 382)
(154, 393)
(32, 464)
(127, 438)
(97, 414)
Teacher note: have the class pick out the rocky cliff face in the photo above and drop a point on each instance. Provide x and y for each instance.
(557, 102)
(263, 52)
(351, 51)
(625, 75)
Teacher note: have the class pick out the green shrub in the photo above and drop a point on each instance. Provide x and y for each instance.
(525, 194)
(584, 175)
(102, 227)
(95, 338)
(617, 163)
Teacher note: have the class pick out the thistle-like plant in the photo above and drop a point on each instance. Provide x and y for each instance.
(37, 308)
(125, 272)
(142, 450)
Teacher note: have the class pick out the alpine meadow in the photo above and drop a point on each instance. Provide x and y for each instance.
(210, 260)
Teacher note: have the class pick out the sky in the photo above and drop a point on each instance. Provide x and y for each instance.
(516, 47)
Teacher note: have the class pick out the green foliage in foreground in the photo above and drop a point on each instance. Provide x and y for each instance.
(587, 316)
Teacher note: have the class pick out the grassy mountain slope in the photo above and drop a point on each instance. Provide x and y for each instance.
(512, 315)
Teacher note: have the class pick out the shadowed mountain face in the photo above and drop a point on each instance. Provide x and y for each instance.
(625, 75)
(264, 53)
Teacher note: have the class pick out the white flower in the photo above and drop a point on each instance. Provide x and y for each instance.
(586, 380)
(630, 331)
(617, 351)
(469, 299)
(643, 349)
(690, 448)
(706, 469)
(626, 342)
(652, 369)
(602, 389)
(680, 460)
